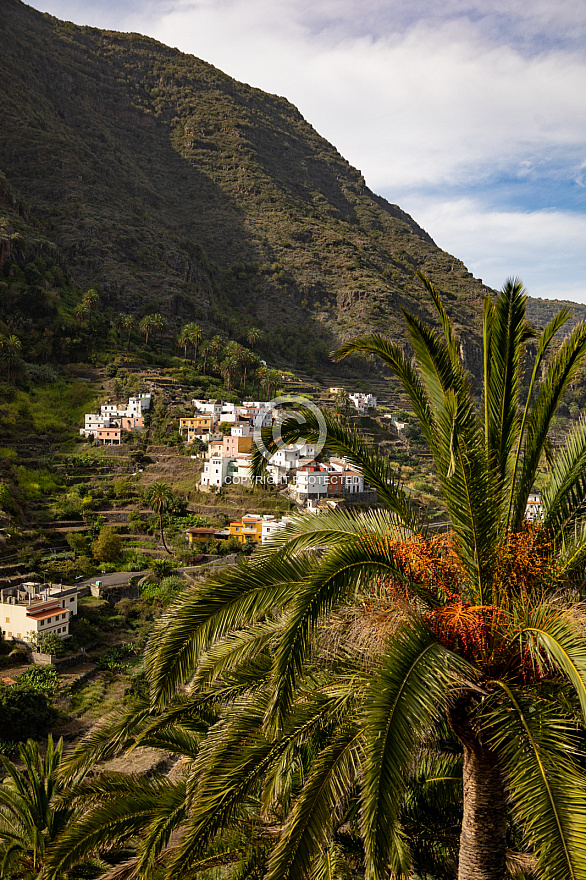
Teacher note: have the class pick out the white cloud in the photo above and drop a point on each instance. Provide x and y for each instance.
(424, 98)
(432, 105)
(544, 248)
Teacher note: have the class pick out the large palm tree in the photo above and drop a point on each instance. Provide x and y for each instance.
(128, 325)
(91, 300)
(338, 653)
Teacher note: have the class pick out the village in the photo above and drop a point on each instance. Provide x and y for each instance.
(227, 432)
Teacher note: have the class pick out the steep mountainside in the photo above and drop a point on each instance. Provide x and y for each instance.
(170, 185)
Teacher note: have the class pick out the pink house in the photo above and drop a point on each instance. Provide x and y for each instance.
(108, 436)
(132, 423)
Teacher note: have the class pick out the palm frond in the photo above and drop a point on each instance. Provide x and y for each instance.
(446, 324)
(317, 807)
(564, 495)
(125, 805)
(505, 334)
(233, 762)
(200, 615)
(402, 366)
(378, 472)
(536, 744)
(236, 648)
(109, 737)
(542, 348)
(549, 629)
(562, 370)
(407, 697)
(171, 811)
(341, 572)
(571, 551)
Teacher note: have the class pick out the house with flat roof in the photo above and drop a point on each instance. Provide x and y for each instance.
(32, 610)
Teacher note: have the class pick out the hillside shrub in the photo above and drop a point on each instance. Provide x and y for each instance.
(53, 644)
(108, 545)
(24, 712)
(44, 679)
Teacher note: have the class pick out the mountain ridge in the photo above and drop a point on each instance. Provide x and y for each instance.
(167, 183)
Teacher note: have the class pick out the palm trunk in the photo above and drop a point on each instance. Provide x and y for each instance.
(484, 823)
(483, 843)
(162, 533)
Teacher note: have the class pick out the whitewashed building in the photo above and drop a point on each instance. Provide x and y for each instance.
(534, 508)
(363, 402)
(270, 526)
(215, 470)
(32, 610)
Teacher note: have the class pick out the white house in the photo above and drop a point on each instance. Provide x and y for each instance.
(241, 429)
(270, 526)
(363, 402)
(534, 508)
(311, 481)
(92, 422)
(32, 610)
(214, 407)
(215, 470)
(138, 405)
(240, 469)
(113, 410)
(286, 458)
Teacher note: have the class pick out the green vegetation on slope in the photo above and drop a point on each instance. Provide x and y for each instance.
(175, 188)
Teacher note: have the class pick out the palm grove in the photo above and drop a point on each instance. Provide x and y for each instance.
(367, 698)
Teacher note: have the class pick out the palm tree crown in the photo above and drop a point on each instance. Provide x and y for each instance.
(31, 815)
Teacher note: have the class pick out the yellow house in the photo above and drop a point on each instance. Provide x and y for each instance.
(200, 536)
(249, 528)
(201, 424)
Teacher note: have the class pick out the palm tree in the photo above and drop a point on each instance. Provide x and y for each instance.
(32, 812)
(336, 655)
(216, 348)
(90, 301)
(159, 325)
(488, 638)
(160, 498)
(228, 369)
(253, 336)
(247, 360)
(128, 324)
(118, 323)
(205, 353)
(81, 312)
(147, 326)
(192, 334)
(183, 341)
(10, 348)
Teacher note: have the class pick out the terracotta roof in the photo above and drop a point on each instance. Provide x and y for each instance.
(45, 613)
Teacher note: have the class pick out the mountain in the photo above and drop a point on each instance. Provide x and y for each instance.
(172, 187)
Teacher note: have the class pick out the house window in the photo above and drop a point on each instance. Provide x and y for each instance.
(7, 620)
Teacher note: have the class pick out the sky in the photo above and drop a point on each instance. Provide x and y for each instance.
(468, 114)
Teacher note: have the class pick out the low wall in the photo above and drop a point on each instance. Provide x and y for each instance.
(40, 659)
